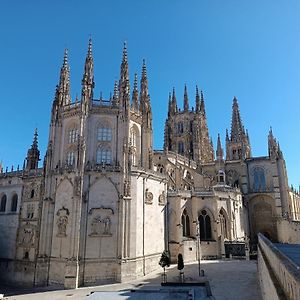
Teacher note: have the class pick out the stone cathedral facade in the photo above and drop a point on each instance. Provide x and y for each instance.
(105, 205)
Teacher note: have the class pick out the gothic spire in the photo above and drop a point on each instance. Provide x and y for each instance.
(135, 94)
(88, 75)
(63, 89)
(145, 105)
(169, 105)
(237, 128)
(124, 85)
(173, 102)
(219, 152)
(202, 106)
(33, 154)
(197, 100)
(186, 99)
(144, 96)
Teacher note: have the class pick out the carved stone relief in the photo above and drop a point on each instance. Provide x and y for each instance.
(27, 236)
(162, 198)
(62, 221)
(100, 221)
(148, 197)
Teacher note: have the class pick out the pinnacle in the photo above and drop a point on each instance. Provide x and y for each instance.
(135, 84)
(90, 49)
(125, 52)
(65, 62)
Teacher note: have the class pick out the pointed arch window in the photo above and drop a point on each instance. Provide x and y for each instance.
(73, 135)
(205, 226)
(14, 202)
(70, 158)
(104, 133)
(185, 222)
(259, 179)
(181, 148)
(103, 156)
(3, 203)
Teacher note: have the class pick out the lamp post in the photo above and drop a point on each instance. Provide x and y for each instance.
(198, 247)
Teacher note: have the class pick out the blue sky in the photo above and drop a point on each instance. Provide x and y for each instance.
(247, 49)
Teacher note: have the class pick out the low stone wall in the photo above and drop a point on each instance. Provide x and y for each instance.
(279, 277)
(289, 232)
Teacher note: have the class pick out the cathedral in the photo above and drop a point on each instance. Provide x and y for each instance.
(105, 204)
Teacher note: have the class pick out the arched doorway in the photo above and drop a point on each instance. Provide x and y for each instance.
(262, 217)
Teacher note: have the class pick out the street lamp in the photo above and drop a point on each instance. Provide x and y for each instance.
(201, 272)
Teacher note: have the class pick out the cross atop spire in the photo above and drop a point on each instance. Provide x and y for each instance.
(185, 99)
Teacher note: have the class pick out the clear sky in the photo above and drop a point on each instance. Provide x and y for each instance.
(247, 49)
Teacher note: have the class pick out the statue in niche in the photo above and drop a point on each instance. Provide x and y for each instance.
(96, 226)
(62, 221)
(106, 222)
(27, 236)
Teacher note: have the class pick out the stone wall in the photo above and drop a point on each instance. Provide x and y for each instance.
(289, 232)
(279, 277)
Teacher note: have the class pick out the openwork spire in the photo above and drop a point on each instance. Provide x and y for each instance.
(33, 154)
(202, 105)
(173, 103)
(88, 75)
(124, 84)
(219, 152)
(63, 88)
(144, 84)
(135, 94)
(185, 99)
(197, 100)
(237, 129)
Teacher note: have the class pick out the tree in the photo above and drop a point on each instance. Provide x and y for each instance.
(180, 264)
(165, 260)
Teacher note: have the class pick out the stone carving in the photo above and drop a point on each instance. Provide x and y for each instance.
(27, 236)
(62, 221)
(100, 227)
(148, 197)
(127, 190)
(162, 198)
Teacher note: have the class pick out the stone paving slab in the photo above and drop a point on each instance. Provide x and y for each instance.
(229, 280)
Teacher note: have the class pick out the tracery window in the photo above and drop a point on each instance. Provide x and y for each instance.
(205, 226)
(181, 148)
(259, 179)
(104, 133)
(14, 202)
(185, 222)
(70, 158)
(103, 156)
(3, 203)
(73, 135)
(180, 127)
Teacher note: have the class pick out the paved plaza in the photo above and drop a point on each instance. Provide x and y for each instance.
(228, 280)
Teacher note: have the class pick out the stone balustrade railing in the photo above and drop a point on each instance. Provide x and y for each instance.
(286, 271)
